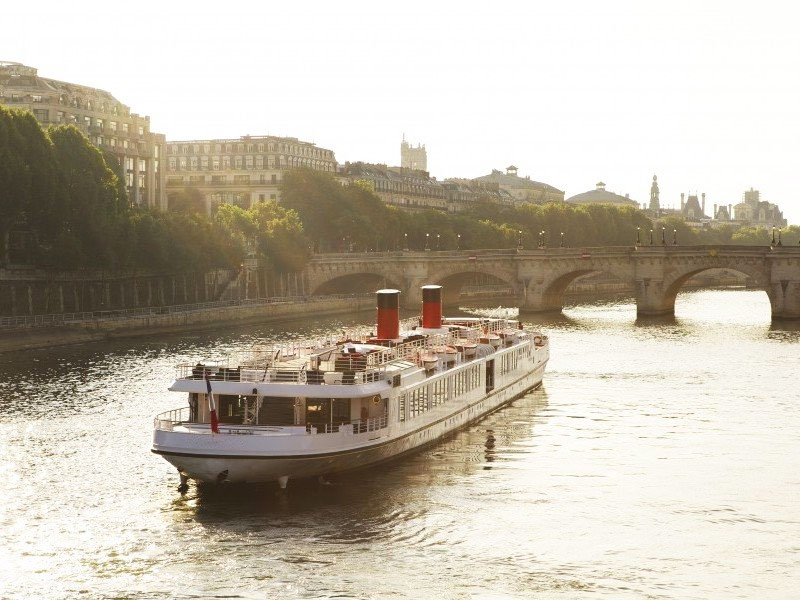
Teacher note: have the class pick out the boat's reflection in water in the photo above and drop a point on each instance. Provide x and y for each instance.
(361, 503)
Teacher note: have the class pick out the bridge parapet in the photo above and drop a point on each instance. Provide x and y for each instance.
(539, 277)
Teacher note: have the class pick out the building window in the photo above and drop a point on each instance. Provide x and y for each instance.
(124, 143)
(206, 148)
(112, 125)
(204, 162)
(141, 130)
(238, 162)
(248, 162)
(125, 127)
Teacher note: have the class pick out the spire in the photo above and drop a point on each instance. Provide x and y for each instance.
(655, 205)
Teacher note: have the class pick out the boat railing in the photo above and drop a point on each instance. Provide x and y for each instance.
(347, 372)
(325, 363)
(360, 426)
(167, 420)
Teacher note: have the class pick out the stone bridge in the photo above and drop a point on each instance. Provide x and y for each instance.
(538, 278)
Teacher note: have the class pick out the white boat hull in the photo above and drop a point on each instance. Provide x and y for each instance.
(233, 458)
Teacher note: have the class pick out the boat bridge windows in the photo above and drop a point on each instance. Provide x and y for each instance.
(323, 414)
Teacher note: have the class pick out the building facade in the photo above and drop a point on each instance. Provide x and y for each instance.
(107, 123)
(240, 171)
(523, 189)
(413, 158)
(408, 189)
(754, 212)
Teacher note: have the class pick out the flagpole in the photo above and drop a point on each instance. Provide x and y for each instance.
(212, 406)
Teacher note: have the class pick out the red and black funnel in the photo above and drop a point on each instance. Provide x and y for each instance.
(432, 306)
(388, 314)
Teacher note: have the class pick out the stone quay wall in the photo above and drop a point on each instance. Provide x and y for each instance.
(203, 317)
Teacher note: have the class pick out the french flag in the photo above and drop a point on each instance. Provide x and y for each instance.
(212, 407)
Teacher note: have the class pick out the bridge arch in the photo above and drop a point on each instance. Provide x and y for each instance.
(355, 283)
(453, 280)
(758, 279)
(548, 294)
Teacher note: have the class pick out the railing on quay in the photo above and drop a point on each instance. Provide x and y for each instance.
(136, 313)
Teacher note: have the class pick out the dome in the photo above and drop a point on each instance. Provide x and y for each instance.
(600, 195)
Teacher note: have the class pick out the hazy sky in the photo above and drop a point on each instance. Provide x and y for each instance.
(704, 94)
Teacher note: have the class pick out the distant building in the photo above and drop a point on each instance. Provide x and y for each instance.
(107, 122)
(754, 212)
(600, 195)
(410, 189)
(413, 158)
(414, 190)
(240, 171)
(693, 210)
(523, 189)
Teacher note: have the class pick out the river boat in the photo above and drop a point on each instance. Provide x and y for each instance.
(311, 409)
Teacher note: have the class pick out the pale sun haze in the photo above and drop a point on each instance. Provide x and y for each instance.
(703, 94)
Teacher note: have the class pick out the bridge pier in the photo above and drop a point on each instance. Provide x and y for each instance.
(652, 299)
(785, 299)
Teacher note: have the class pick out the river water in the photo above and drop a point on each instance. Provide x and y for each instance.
(658, 460)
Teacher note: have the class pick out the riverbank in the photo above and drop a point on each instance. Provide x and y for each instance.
(190, 319)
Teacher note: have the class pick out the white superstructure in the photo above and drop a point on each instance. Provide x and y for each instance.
(310, 409)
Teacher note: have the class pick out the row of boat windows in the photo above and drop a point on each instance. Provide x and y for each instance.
(415, 402)
(510, 360)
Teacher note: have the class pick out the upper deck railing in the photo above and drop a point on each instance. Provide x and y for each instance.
(322, 362)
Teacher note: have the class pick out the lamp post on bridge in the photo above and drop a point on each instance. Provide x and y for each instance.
(663, 236)
(561, 242)
(427, 241)
(405, 241)
(674, 237)
(541, 239)
(773, 236)
(638, 231)
(780, 242)
(651, 237)
(437, 241)
(519, 239)
(458, 241)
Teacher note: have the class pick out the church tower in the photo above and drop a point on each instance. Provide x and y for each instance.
(413, 158)
(655, 206)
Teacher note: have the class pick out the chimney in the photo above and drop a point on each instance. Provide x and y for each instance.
(681, 201)
(703, 205)
(714, 216)
(431, 306)
(388, 314)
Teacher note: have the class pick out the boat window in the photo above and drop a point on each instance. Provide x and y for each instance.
(276, 411)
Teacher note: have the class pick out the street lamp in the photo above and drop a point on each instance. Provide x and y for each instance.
(437, 241)
(561, 244)
(519, 239)
(663, 236)
(458, 242)
(405, 241)
(780, 242)
(674, 237)
(773, 236)
(541, 239)
(638, 230)
(427, 240)
(651, 237)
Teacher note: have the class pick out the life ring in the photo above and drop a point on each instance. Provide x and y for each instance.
(537, 339)
(376, 399)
